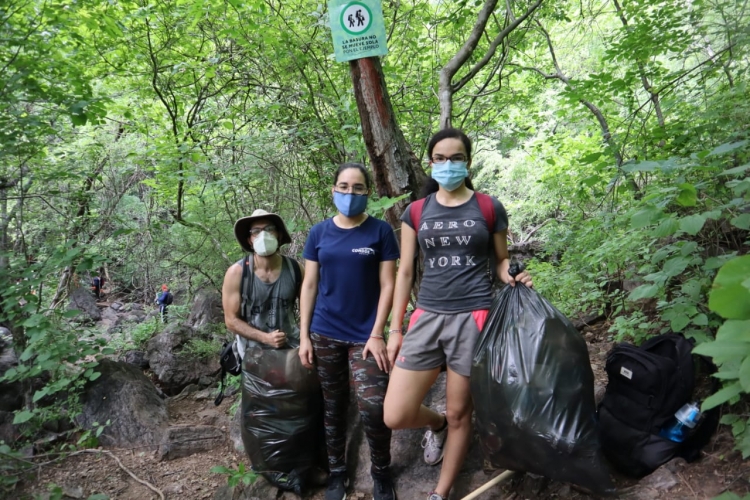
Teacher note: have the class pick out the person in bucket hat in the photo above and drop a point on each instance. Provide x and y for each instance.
(260, 218)
(268, 316)
(259, 294)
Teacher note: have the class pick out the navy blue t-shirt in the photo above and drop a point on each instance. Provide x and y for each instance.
(349, 284)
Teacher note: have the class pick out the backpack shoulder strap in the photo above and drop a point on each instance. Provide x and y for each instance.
(248, 265)
(297, 274)
(488, 210)
(415, 213)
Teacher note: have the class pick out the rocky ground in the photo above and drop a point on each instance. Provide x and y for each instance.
(136, 473)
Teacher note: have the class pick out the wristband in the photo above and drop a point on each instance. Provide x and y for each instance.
(394, 330)
(376, 336)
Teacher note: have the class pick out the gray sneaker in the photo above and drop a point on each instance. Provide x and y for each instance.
(432, 443)
(434, 496)
(337, 484)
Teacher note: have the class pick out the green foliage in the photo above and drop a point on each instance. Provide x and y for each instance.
(379, 207)
(55, 492)
(236, 476)
(137, 133)
(136, 336)
(234, 382)
(50, 347)
(728, 495)
(90, 437)
(202, 348)
(730, 351)
(634, 327)
(12, 465)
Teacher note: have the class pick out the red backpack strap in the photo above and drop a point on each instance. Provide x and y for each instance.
(488, 210)
(415, 213)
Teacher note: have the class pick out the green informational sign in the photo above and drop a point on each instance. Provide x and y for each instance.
(358, 29)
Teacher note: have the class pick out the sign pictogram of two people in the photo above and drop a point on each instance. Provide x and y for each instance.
(360, 19)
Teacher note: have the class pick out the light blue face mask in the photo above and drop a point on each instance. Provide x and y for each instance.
(450, 174)
(350, 204)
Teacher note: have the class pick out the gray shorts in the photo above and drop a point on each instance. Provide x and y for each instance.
(436, 338)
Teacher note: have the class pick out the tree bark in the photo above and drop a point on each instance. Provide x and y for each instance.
(395, 166)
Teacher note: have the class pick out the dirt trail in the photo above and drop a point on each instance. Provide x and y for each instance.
(79, 476)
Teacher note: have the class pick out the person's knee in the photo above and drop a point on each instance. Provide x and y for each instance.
(397, 417)
(458, 417)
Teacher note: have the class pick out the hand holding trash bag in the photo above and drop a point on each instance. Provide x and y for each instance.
(533, 391)
(514, 274)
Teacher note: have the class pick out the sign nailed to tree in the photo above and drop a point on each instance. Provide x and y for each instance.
(358, 29)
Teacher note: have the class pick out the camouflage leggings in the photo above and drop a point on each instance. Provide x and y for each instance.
(334, 358)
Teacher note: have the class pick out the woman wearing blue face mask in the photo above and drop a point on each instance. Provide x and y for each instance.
(456, 229)
(350, 272)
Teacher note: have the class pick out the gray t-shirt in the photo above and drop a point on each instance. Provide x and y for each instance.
(270, 306)
(455, 245)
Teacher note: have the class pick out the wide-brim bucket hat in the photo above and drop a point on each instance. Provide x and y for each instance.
(243, 225)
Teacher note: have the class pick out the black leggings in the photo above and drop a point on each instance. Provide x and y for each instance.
(334, 358)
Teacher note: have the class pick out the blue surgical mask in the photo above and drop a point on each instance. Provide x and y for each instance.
(450, 174)
(350, 204)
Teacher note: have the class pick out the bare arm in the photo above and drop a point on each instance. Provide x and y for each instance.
(308, 295)
(387, 284)
(402, 290)
(232, 301)
(376, 343)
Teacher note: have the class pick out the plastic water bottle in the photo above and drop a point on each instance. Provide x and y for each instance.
(685, 419)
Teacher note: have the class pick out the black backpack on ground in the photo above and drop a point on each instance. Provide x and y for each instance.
(647, 385)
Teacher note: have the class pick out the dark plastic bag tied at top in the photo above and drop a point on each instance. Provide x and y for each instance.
(282, 427)
(533, 391)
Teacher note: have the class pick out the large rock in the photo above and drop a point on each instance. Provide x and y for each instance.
(186, 440)
(135, 358)
(173, 368)
(110, 319)
(206, 309)
(127, 398)
(8, 432)
(83, 300)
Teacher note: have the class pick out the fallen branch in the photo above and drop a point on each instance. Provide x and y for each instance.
(80, 452)
(145, 483)
(489, 484)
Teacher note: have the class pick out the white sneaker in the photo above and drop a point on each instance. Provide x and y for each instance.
(433, 442)
(434, 496)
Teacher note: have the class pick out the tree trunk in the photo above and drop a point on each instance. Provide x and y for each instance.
(396, 167)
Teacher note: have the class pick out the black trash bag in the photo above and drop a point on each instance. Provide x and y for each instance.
(533, 391)
(282, 426)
